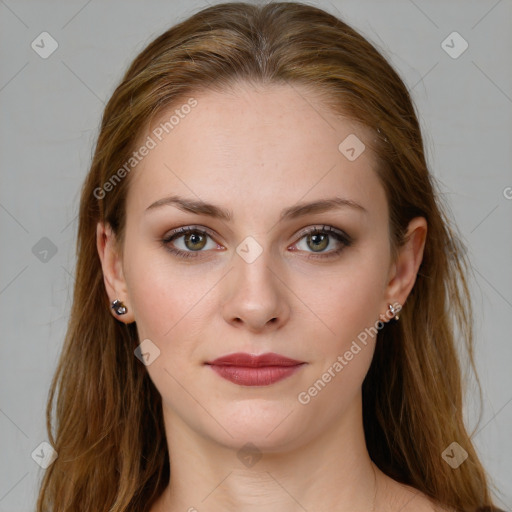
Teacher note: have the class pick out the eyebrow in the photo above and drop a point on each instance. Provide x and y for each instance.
(203, 208)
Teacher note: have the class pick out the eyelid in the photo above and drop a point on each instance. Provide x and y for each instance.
(183, 230)
(324, 228)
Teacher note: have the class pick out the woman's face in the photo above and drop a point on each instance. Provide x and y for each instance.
(256, 282)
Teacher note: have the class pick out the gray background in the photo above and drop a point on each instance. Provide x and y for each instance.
(51, 109)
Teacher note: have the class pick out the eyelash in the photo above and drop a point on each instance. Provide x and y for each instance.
(340, 236)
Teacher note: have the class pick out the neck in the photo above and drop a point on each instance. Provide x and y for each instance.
(329, 472)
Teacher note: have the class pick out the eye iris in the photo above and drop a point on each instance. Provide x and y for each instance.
(195, 238)
(322, 238)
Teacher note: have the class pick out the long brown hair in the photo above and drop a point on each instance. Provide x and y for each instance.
(109, 432)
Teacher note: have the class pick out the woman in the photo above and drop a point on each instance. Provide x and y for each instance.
(266, 289)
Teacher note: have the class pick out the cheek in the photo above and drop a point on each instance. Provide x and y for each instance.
(165, 298)
(351, 299)
(171, 308)
(351, 309)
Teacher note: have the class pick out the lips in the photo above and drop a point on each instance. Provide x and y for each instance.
(255, 370)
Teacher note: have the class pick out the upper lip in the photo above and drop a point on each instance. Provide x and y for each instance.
(254, 361)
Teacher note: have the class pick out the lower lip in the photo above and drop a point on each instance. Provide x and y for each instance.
(264, 376)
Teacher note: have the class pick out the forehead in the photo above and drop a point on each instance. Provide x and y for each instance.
(249, 146)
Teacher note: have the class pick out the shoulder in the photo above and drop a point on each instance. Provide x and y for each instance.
(409, 499)
(415, 501)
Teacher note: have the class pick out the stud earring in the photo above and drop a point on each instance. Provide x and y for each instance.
(394, 311)
(119, 307)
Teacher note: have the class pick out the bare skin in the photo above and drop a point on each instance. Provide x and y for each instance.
(256, 151)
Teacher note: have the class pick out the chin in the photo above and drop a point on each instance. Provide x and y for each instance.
(271, 426)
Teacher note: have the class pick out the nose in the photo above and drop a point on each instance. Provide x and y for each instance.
(256, 295)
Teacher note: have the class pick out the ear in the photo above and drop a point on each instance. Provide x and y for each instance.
(112, 266)
(404, 269)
